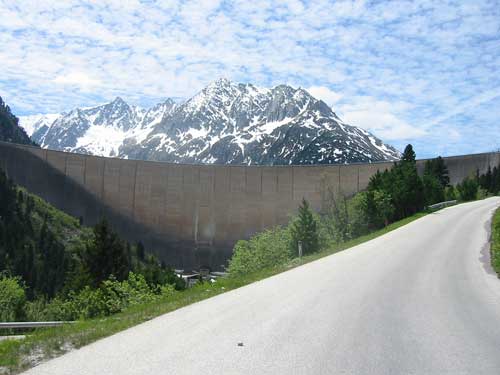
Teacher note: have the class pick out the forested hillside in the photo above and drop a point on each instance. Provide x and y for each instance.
(48, 256)
(10, 131)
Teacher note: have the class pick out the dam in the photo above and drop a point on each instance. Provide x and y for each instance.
(192, 215)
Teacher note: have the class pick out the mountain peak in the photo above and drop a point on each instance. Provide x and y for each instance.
(119, 102)
(224, 123)
(220, 82)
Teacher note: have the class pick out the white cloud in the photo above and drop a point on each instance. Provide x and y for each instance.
(380, 117)
(330, 97)
(79, 79)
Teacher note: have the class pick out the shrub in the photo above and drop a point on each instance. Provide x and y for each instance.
(12, 299)
(111, 297)
(481, 193)
(36, 310)
(371, 210)
(450, 193)
(267, 249)
(467, 190)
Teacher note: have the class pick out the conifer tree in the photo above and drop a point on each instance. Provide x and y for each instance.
(305, 229)
(106, 255)
(408, 154)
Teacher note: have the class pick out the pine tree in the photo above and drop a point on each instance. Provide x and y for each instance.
(305, 229)
(435, 180)
(437, 168)
(408, 154)
(106, 255)
(141, 253)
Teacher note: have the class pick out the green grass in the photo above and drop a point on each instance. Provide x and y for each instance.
(495, 242)
(47, 343)
(9, 350)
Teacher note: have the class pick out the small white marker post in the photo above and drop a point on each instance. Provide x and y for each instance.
(300, 249)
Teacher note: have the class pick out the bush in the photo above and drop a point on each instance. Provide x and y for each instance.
(111, 297)
(371, 210)
(267, 249)
(12, 299)
(481, 193)
(450, 193)
(36, 310)
(467, 190)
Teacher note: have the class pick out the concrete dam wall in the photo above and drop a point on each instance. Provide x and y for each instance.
(191, 215)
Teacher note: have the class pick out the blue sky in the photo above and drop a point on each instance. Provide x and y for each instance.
(425, 72)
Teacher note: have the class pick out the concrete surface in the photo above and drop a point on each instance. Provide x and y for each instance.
(191, 215)
(419, 300)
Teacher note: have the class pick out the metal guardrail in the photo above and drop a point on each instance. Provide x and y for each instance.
(7, 325)
(442, 205)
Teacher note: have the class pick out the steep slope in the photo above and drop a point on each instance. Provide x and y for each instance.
(225, 123)
(10, 131)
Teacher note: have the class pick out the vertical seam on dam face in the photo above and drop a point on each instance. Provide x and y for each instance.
(176, 206)
(339, 189)
(66, 165)
(85, 171)
(357, 190)
(134, 192)
(102, 179)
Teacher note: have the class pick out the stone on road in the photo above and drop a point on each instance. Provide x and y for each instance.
(419, 300)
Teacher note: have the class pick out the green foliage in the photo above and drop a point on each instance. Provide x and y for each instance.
(481, 193)
(106, 255)
(141, 253)
(403, 185)
(12, 299)
(111, 297)
(304, 228)
(495, 242)
(336, 218)
(9, 353)
(467, 190)
(434, 192)
(409, 155)
(37, 242)
(435, 181)
(437, 168)
(375, 210)
(490, 181)
(450, 193)
(67, 271)
(10, 131)
(264, 250)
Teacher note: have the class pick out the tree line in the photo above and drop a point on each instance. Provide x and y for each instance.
(391, 195)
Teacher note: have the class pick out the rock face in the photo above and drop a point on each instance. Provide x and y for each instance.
(225, 123)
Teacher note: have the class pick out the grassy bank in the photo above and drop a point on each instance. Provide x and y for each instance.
(44, 344)
(495, 242)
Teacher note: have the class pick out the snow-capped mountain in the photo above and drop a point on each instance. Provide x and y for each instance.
(100, 130)
(225, 123)
(33, 123)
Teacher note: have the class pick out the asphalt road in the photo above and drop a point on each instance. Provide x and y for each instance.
(419, 300)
